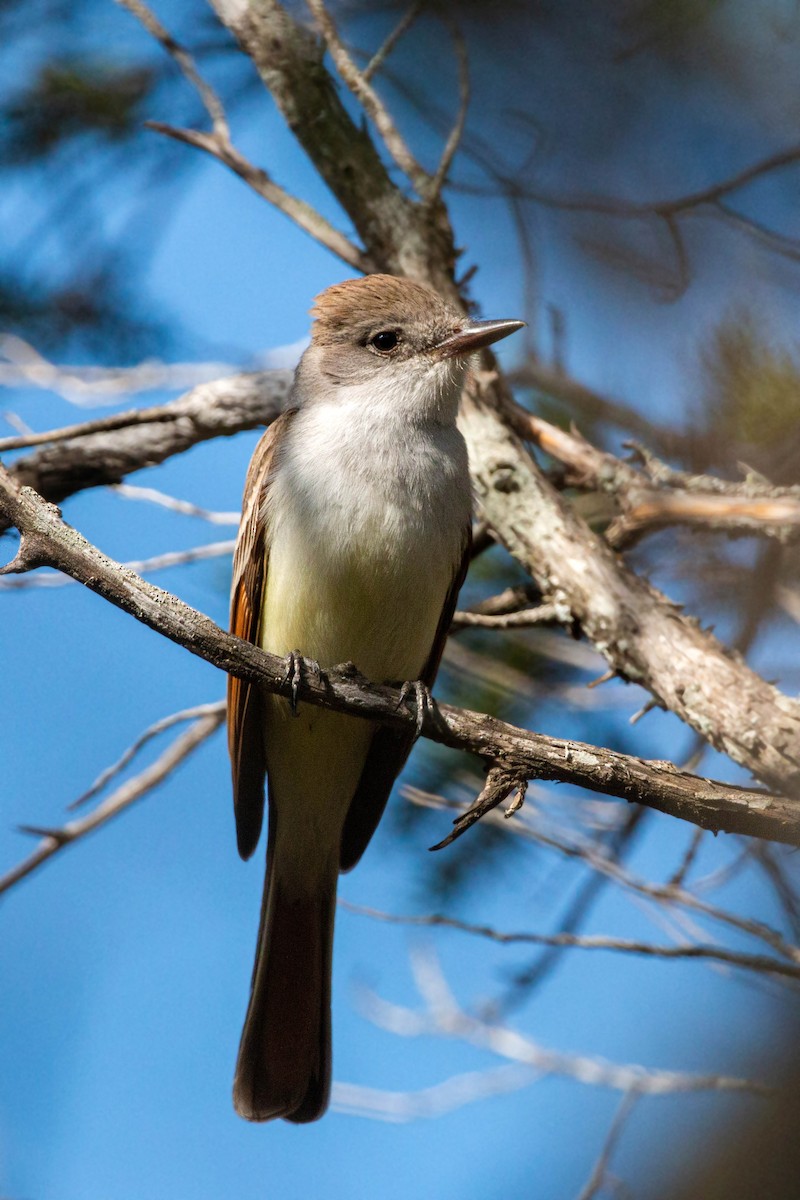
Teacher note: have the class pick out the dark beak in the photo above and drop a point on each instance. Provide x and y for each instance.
(475, 335)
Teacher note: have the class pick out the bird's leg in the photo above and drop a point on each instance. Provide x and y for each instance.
(295, 666)
(422, 697)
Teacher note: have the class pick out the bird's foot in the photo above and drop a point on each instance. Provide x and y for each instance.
(422, 697)
(296, 666)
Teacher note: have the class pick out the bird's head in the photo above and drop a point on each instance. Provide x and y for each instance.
(396, 341)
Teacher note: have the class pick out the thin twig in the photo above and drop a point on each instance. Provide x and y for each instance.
(87, 386)
(185, 507)
(678, 879)
(370, 101)
(525, 618)
(54, 840)
(457, 132)
(708, 200)
(597, 1178)
(300, 211)
(749, 962)
(428, 1103)
(444, 1017)
(602, 863)
(218, 143)
(663, 496)
(382, 53)
(125, 420)
(216, 708)
(211, 101)
(142, 566)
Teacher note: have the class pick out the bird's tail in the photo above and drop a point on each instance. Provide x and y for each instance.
(284, 1063)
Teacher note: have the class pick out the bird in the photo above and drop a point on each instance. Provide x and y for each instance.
(353, 544)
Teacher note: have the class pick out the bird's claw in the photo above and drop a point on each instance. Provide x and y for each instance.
(423, 700)
(293, 675)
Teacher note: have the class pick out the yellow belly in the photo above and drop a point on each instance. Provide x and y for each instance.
(365, 611)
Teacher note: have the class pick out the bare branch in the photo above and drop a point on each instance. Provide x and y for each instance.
(300, 211)
(217, 708)
(642, 636)
(604, 864)
(210, 99)
(92, 385)
(218, 409)
(457, 132)
(596, 406)
(510, 600)
(703, 196)
(125, 420)
(702, 501)
(382, 53)
(597, 1178)
(749, 962)
(142, 566)
(54, 840)
(185, 507)
(401, 236)
(500, 783)
(647, 509)
(678, 878)
(427, 1103)
(47, 539)
(370, 101)
(219, 144)
(445, 1018)
(524, 618)
(708, 200)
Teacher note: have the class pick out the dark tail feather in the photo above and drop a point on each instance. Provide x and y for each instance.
(284, 1063)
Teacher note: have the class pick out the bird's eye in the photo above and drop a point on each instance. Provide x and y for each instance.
(385, 342)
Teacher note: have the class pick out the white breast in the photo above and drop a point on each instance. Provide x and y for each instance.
(366, 516)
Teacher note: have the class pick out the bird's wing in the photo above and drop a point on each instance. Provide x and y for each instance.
(390, 747)
(245, 716)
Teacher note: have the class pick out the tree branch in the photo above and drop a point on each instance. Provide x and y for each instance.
(218, 409)
(211, 101)
(216, 708)
(760, 963)
(47, 540)
(304, 215)
(662, 496)
(21, 364)
(599, 1174)
(400, 235)
(457, 132)
(219, 144)
(385, 49)
(369, 100)
(444, 1017)
(604, 863)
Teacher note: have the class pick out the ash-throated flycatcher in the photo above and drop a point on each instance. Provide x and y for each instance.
(353, 545)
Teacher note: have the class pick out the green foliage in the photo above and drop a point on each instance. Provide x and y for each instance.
(67, 100)
(94, 316)
(752, 384)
